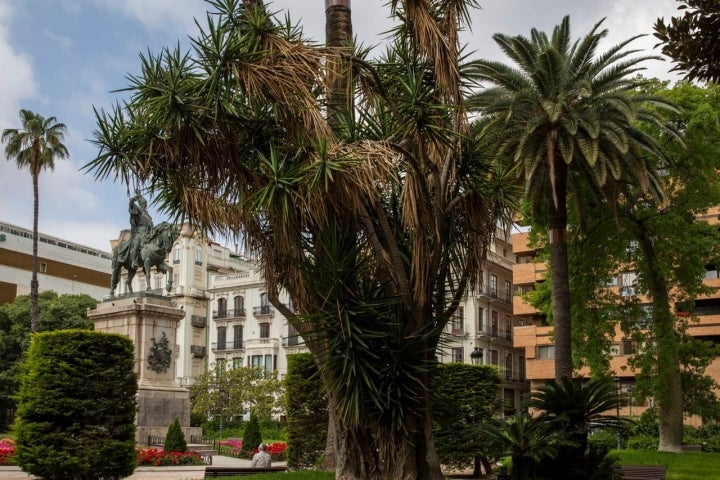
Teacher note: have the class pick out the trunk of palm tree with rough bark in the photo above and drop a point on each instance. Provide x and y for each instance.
(668, 387)
(34, 286)
(557, 225)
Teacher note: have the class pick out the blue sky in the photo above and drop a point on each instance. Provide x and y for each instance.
(63, 57)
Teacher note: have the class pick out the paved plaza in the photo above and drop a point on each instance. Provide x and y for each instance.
(152, 473)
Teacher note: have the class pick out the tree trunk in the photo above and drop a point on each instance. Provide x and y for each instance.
(34, 286)
(668, 385)
(557, 225)
(338, 34)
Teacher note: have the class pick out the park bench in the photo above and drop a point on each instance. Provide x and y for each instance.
(642, 472)
(212, 472)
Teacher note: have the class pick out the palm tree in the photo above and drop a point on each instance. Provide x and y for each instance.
(35, 147)
(567, 116)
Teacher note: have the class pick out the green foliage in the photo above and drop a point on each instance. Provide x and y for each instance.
(252, 436)
(56, 312)
(690, 39)
(307, 412)
(76, 406)
(606, 439)
(464, 399)
(688, 466)
(175, 438)
(234, 392)
(642, 442)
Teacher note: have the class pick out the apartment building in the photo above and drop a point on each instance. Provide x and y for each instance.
(535, 338)
(482, 330)
(63, 266)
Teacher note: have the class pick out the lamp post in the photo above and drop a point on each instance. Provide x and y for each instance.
(476, 356)
(630, 398)
(617, 409)
(221, 402)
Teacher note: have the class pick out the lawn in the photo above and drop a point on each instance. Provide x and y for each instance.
(686, 466)
(302, 475)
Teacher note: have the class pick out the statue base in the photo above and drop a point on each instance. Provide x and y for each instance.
(151, 322)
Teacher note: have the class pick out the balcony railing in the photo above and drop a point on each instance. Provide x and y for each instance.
(495, 294)
(293, 341)
(456, 329)
(198, 321)
(198, 351)
(495, 332)
(262, 342)
(228, 314)
(228, 346)
(263, 310)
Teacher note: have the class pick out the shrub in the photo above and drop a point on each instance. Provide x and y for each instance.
(642, 442)
(76, 406)
(605, 438)
(175, 438)
(252, 437)
(306, 407)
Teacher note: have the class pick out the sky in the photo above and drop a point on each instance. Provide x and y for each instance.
(65, 58)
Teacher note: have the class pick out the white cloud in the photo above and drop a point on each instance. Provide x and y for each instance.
(17, 82)
(161, 14)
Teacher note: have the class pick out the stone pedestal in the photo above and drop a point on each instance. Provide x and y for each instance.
(151, 322)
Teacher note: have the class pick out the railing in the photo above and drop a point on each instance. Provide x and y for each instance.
(262, 342)
(227, 314)
(495, 294)
(494, 332)
(263, 310)
(457, 329)
(293, 341)
(228, 347)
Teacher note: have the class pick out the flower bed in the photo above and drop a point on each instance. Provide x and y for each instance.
(7, 451)
(160, 458)
(230, 447)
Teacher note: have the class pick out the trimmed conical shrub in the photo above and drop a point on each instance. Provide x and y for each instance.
(175, 438)
(252, 436)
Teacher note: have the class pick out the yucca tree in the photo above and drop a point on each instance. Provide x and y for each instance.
(565, 115)
(357, 182)
(35, 146)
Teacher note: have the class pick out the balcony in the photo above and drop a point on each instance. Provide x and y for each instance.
(198, 351)
(198, 321)
(263, 311)
(235, 346)
(293, 341)
(229, 314)
(456, 329)
(495, 294)
(493, 331)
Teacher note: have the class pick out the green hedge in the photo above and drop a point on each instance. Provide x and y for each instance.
(76, 406)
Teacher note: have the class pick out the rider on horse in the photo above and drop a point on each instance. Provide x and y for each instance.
(141, 227)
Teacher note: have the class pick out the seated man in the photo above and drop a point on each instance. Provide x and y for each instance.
(262, 458)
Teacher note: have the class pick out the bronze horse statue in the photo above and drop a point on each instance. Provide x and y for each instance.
(153, 250)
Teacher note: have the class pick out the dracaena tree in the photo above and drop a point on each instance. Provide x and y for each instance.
(357, 182)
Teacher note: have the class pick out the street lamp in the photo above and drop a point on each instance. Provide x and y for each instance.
(221, 402)
(617, 409)
(476, 356)
(630, 398)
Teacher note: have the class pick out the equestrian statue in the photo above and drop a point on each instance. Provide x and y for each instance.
(147, 247)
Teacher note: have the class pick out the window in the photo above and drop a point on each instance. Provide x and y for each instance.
(507, 293)
(239, 306)
(614, 350)
(221, 308)
(262, 361)
(494, 358)
(481, 319)
(221, 336)
(521, 368)
(176, 254)
(458, 354)
(265, 330)
(43, 267)
(508, 366)
(509, 399)
(546, 351)
(508, 327)
(293, 338)
(237, 337)
(494, 326)
(176, 278)
(627, 284)
(220, 365)
(457, 321)
(237, 362)
(493, 285)
(198, 255)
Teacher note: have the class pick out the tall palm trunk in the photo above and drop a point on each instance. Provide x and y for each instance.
(668, 387)
(34, 287)
(557, 225)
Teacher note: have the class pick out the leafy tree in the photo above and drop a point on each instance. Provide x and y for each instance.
(35, 146)
(564, 115)
(358, 183)
(56, 312)
(235, 391)
(76, 406)
(691, 39)
(175, 438)
(306, 408)
(252, 436)
(465, 398)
